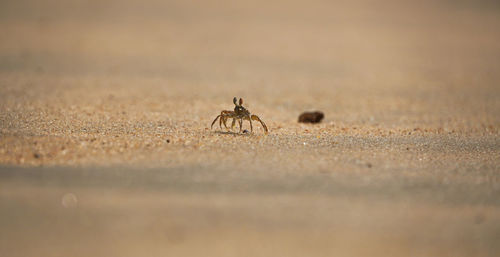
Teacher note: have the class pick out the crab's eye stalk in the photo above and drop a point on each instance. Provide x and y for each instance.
(241, 101)
(235, 101)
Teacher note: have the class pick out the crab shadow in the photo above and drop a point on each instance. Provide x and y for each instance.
(232, 133)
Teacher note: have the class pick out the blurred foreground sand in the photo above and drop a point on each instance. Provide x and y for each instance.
(105, 110)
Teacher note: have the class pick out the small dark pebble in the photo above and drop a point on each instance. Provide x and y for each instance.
(311, 117)
(36, 155)
(168, 140)
(245, 131)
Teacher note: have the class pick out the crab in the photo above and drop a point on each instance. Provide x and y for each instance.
(240, 113)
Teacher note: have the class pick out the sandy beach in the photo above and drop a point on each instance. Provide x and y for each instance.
(106, 147)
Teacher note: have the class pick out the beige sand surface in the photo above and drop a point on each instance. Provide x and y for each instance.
(106, 146)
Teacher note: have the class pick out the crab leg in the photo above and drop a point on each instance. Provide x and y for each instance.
(255, 117)
(223, 120)
(224, 115)
(232, 124)
(250, 120)
(218, 116)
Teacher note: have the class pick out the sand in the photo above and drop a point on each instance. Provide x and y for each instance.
(106, 147)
